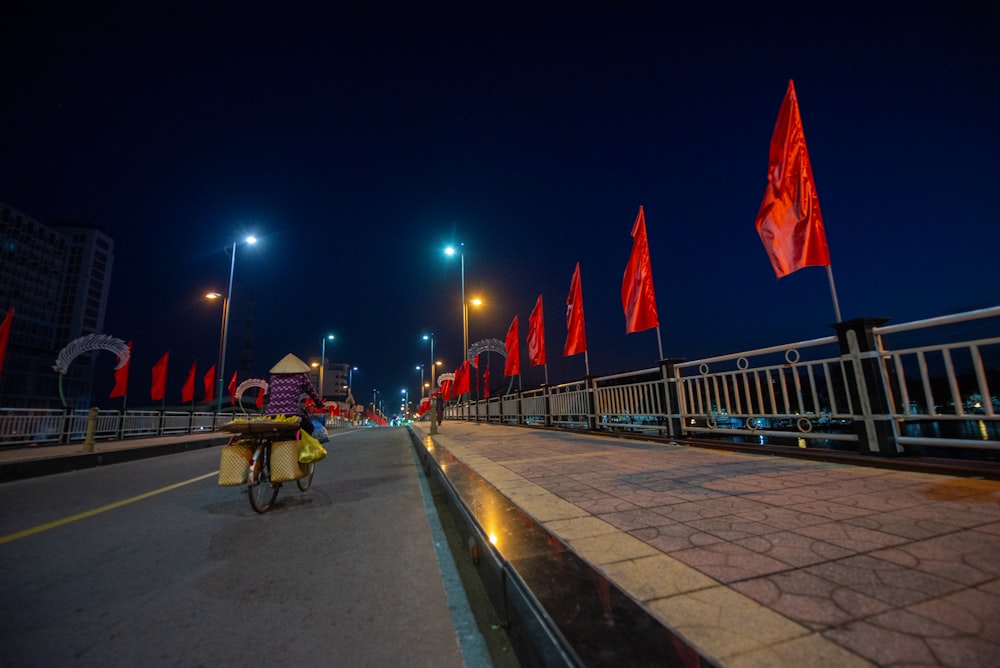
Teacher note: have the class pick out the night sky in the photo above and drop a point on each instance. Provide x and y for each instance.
(356, 143)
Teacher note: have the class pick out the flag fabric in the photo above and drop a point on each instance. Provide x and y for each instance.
(232, 389)
(536, 334)
(187, 392)
(159, 387)
(486, 382)
(446, 390)
(5, 335)
(638, 297)
(260, 397)
(121, 377)
(789, 221)
(576, 334)
(512, 365)
(461, 383)
(209, 381)
(475, 363)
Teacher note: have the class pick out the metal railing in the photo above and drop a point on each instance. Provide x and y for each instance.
(847, 391)
(28, 426)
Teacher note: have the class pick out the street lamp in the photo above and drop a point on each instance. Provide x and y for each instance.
(450, 250)
(225, 317)
(406, 401)
(350, 378)
(420, 368)
(430, 337)
(322, 362)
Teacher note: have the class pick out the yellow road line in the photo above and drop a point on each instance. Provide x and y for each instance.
(96, 511)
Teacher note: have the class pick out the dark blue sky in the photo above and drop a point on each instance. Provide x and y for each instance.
(356, 143)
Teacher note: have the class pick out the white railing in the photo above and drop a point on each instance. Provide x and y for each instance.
(851, 390)
(27, 426)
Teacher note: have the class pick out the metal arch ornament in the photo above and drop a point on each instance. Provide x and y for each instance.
(246, 385)
(487, 346)
(491, 346)
(87, 344)
(445, 376)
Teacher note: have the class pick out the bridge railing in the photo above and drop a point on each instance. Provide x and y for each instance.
(28, 426)
(939, 388)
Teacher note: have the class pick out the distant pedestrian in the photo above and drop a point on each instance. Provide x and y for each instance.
(440, 407)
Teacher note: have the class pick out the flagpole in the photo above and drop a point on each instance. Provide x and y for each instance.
(659, 342)
(586, 361)
(833, 292)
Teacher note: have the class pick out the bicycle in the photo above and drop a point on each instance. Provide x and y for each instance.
(264, 474)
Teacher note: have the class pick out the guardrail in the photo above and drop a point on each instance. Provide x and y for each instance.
(29, 426)
(931, 393)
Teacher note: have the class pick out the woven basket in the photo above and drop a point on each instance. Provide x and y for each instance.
(285, 461)
(234, 464)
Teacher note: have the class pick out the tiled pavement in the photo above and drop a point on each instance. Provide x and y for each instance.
(761, 560)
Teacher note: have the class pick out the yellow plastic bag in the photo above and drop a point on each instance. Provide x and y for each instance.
(310, 450)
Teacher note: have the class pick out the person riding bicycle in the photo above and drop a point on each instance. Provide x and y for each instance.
(287, 385)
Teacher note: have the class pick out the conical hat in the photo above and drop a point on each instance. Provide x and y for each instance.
(290, 364)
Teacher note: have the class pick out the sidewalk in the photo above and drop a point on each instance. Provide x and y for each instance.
(754, 560)
(33, 461)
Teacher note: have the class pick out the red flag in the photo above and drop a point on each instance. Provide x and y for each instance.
(475, 363)
(486, 383)
(638, 298)
(187, 392)
(260, 397)
(789, 221)
(209, 381)
(536, 334)
(159, 388)
(461, 385)
(5, 334)
(446, 390)
(576, 334)
(512, 365)
(232, 389)
(121, 377)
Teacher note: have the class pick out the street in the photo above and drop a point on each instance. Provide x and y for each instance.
(158, 565)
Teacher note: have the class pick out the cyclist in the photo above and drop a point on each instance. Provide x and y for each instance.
(287, 385)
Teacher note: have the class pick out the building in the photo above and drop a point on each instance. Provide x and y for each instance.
(57, 279)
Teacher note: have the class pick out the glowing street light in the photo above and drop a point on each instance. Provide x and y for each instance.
(322, 362)
(430, 337)
(227, 298)
(449, 251)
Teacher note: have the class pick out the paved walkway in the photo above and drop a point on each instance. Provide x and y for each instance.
(764, 561)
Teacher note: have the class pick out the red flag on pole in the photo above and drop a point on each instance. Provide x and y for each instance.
(486, 382)
(121, 377)
(638, 298)
(446, 390)
(536, 334)
(5, 335)
(232, 389)
(187, 392)
(159, 387)
(209, 381)
(461, 385)
(789, 221)
(475, 363)
(576, 334)
(512, 365)
(260, 397)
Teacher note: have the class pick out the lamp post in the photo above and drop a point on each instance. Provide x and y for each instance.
(406, 401)
(225, 318)
(420, 368)
(430, 337)
(350, 378)
(450, 250)
(322, 362)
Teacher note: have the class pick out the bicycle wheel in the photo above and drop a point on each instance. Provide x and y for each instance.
(305, 481)
(260, 489)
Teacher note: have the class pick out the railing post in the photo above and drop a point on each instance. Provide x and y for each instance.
(88, 441)
(670, 393)
(520, 417)
(862, 369)
(591, 385)
(547, 393)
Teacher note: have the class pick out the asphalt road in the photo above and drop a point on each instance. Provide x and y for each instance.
(152, 563)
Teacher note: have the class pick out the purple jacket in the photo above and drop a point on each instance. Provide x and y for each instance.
(284, 391)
